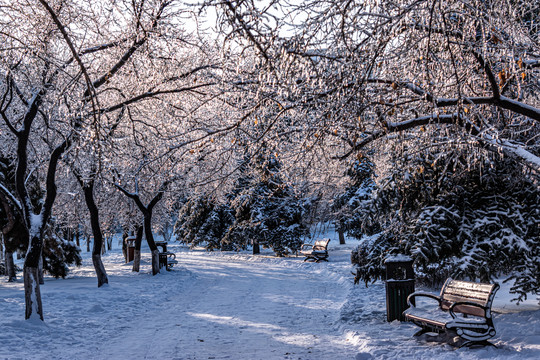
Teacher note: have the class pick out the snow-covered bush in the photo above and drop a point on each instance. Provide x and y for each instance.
(266, 209)
(58, 254)
(352, 207)
(202, 221)
(468, 219)
(368, 258)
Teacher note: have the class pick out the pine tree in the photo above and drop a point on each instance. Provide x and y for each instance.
(471, 219)
(266, 209)
(352, 207)
(202, 221)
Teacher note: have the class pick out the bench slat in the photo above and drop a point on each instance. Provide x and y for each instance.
(459, 291)
(317, 252)
(477, 328)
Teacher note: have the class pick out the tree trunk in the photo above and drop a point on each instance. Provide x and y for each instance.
(136, 260)
(341, 237)
(125, 235)
(137, 253)
(256, 247)
(10, 267)
(100, 270)
(151, 243)
(155, 262)
(77, 238)
(31, 277)
(32, 293)
(93, 210)
(40, 271)
(147, 219)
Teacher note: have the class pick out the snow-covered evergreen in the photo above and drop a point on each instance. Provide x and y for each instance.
(267, 211)
(352, 207)
(202, 222)
(476, 220)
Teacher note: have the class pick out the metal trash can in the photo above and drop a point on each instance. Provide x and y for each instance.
(399, 285)
(130, 253)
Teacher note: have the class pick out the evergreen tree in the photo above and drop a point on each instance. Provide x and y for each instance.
(457, 217)
(266, 209)
(58, 253)
(352, 207)
(202, 221)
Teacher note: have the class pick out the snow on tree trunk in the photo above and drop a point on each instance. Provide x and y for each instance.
(31, 269)
(40, 272)
(10, 267)
(100, 270)
(32, 293)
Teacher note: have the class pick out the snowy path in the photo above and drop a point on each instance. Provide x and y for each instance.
(234, 309)
(214, 306)
(234, 306)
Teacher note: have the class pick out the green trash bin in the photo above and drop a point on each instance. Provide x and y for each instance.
(399, 285)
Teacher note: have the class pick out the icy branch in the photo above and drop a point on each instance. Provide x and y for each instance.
(11, 197)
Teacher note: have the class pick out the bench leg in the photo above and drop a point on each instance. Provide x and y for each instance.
(473, 344)
(421, 332)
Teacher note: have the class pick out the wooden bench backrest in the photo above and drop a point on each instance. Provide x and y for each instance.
(321, 245)
(459, 290)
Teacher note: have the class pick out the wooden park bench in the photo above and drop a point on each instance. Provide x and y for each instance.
(315, 252)
(167, 259)
(472, 300)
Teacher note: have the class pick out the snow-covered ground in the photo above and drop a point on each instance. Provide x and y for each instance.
(234, 306)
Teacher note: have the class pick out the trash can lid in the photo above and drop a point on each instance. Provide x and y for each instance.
(398, 258)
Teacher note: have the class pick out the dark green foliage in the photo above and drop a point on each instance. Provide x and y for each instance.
(483, 224)
(202, 221)
(3, 270)
(11, 220)
(58, 254)
(467, 219)
(261, 209)
(266, 209)
(369, 258)
(352, 208)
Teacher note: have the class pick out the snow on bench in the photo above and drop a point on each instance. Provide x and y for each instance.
(472, 300)
(315, 252)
